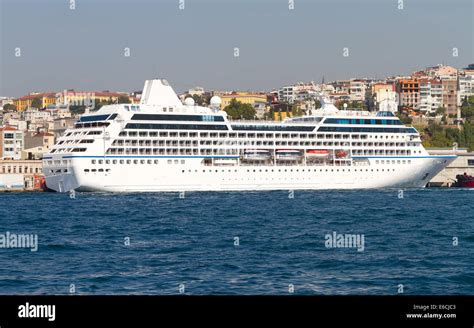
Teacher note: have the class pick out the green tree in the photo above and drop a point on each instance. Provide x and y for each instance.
(405, 118)
(467, 109)
(468, 113)
(200, 100)
(439, 111)
(123, 100)
(77, 109)
(37, 103)
(99, 104)
(296, 111)
(238, 110)
(436, 136)
(358, 105)
(9, 108)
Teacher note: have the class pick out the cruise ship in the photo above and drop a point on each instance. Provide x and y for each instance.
(162, 144)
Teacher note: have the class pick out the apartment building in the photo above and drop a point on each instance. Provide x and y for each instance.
(11, 143)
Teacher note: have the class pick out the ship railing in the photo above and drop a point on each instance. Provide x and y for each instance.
(267, 122)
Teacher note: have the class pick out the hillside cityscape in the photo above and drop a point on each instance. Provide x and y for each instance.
(438, 101)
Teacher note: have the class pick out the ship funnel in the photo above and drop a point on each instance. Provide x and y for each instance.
(159, 93)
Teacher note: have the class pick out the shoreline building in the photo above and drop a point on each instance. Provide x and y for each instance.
(21, 175)
(464, 163)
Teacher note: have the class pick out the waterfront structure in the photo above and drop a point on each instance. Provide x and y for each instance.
(11, 143)
(165, 145)
(21, 175)
(21, 167)
(464, 163)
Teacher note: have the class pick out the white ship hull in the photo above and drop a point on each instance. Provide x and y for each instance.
(192, 176)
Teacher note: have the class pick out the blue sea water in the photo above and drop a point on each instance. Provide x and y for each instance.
(191, 242)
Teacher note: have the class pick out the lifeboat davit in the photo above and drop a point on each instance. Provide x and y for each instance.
(317, 153)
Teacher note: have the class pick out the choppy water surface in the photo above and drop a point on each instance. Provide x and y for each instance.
(240, 243)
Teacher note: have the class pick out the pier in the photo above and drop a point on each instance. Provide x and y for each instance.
(463, 164)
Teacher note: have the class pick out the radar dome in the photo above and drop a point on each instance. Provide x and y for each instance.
(189, 101)
(216, 101)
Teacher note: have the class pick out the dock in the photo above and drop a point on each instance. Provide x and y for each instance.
(463, 164)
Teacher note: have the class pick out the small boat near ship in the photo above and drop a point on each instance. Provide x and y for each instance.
(464, 181)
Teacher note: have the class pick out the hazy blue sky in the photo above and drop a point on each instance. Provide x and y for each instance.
(84, 48)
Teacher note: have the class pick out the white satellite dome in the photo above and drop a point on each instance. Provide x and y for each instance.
(216, 101)
(189, 101)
